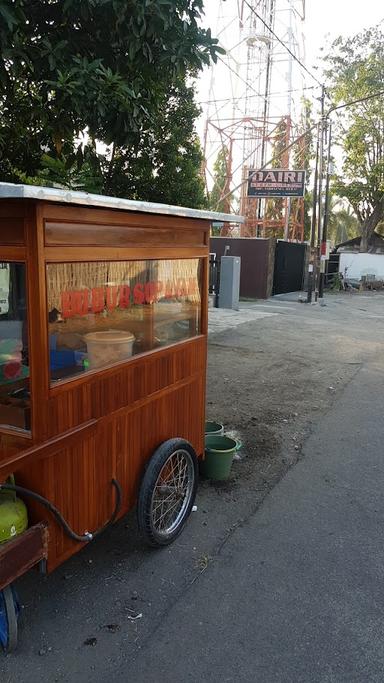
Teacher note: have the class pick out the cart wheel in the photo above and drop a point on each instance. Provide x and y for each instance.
(9, 612)
(167, 492)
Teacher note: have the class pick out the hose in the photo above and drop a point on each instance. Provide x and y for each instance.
(87, 536)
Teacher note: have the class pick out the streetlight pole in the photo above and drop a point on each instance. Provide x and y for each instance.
(320, 195)
(313, 276)
(323, 254)
(311, 268)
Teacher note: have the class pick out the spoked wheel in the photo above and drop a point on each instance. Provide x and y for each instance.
(167, 492)
(8, 619)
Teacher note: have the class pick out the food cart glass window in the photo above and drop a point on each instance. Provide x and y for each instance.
(101, 313)
(14, 361)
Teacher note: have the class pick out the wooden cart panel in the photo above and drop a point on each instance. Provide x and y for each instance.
(77, 480)
(23, 553)
(96, 395)
(101, 424)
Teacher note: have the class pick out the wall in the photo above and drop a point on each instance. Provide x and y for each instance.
(257, 263)
(362, 264)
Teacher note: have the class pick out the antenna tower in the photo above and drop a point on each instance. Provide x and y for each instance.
(253, 109)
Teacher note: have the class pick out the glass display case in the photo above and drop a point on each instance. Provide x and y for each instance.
(101, 313)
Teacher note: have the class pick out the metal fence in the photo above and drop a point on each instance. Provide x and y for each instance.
(332, 272)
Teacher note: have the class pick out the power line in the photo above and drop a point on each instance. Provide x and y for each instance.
(236, 99)
(258, 94)
(300, 137)
(349, 104)
(279, 92)
(282, 43)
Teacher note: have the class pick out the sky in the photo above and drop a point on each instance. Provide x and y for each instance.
(333, 17)
(325, 20)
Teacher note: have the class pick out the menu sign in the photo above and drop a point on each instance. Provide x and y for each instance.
(95, 300)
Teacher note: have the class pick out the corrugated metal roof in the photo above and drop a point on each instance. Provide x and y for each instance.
(51, 194)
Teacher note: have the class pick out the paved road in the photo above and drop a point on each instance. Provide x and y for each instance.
(222, 319)
(265, 587)
(296, 593)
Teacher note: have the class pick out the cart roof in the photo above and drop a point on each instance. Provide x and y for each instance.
(52, 194)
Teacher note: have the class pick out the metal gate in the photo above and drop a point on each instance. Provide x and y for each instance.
(332, 271)
(214, 277)
(289, 267)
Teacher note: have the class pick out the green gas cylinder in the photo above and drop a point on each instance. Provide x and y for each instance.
(13, 514)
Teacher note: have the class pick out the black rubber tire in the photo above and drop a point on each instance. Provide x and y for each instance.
(11, 616)
(144, 505)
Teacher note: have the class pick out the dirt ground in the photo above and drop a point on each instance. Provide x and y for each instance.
(269, 379)
(267, 382)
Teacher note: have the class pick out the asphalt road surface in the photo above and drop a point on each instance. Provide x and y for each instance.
(278, 576)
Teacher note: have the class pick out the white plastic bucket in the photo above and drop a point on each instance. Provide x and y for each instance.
(109, 346)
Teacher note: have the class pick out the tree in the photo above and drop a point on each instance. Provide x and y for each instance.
(163, 163)
(303, 152)
(103, 67)
(355, 71)
(303, 155)
(342, 222)
(220, 187)
(274, 207)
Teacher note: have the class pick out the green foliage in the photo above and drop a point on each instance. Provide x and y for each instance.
(279, 144)
(274, 207)
(380, 228)
(163, 163)
(303, 154)
(342, 222)
(100, 66)
(220, 183)
(299, 157)
(356, 70)
(337, 283)
(67, 172)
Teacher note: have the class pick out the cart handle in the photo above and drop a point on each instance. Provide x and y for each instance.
(87, 536)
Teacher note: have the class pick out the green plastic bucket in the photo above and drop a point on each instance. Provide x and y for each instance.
(214, 428)
(219, 452)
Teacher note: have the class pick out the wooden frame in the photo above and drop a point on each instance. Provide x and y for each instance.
(23, 553)
(103, 424)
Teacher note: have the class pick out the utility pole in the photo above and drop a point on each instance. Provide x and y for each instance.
(311, 267)
(320, 195)
(323, 255)
(313, 276)
(289, 113)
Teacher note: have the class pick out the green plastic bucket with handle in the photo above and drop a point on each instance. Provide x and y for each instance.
(219, 452)
(214, 428)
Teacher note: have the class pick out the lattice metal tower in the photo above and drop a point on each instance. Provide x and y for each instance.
(254, 105)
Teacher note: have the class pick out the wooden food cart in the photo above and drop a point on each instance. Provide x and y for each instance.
(103, 337)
